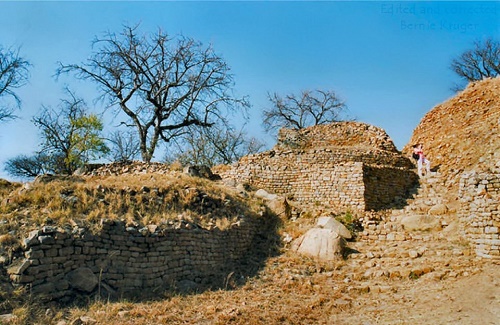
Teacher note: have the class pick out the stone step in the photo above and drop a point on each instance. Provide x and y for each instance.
(428, 201)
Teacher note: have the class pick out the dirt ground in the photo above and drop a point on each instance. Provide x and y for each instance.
(467, 299)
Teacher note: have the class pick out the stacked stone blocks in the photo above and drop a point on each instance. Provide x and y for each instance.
(349, 166)
(479, 194)
(129, 260)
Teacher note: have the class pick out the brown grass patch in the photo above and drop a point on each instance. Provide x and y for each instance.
(136, 199)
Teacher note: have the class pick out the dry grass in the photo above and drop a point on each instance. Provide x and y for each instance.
(136, 199)
(288, 289)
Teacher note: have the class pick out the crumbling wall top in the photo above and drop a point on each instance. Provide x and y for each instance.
(340, 134)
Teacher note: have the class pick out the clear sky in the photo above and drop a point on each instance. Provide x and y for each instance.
(389, 61)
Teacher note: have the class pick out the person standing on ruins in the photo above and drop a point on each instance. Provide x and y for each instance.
(418, 152)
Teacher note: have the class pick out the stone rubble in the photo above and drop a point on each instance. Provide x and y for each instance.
(461, 134)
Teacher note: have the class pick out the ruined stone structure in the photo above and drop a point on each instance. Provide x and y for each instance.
(461, 133)
(128, 261)
(344, 166)
(479, 194)
(461, 139)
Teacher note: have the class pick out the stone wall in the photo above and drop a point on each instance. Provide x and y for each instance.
(128, 261)
(381, 226)
(340, 178)
(127, 167)
(341, 166)
(479, 194)
(386, 186)
(296, 176)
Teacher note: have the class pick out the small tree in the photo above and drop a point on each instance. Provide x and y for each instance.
(213, 146)
(163, 85)
(125, 145)
(69, 132)
(13, 74)
(307, 109)
(483, 61)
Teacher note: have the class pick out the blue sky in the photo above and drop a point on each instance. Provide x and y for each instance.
(389, 61)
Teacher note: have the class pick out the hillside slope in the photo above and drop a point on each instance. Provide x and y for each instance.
(462, 133)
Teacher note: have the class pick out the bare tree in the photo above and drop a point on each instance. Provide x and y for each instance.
(307, 109)
(125, 145)
(213, 146)
(24, 166)
(162, 84)
(13, 74)
(483, 61)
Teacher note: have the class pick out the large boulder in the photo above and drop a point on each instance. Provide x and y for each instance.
(438, 210)
(263, 194)
(324, 244)
(277, 204)
(326, 241)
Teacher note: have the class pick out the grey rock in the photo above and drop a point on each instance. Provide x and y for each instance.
(84, 320)
(438, 210)
(19, 266)
(31, 240)
(324, 244)
(82, 279)
(331, 223)
(200, 171)
(186, 286)
(44, 289)
(7, 318)
(413, 253)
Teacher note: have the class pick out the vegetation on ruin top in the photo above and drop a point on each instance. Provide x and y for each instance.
(160, 199)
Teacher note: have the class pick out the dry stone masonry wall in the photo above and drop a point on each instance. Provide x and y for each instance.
(479, 194)
(385, 186)
(347, 166)
(128, 261)
(120, 168)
